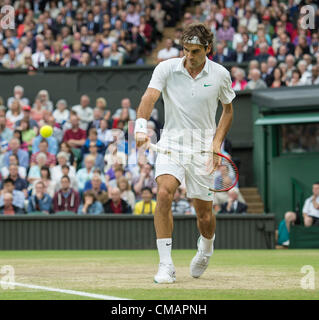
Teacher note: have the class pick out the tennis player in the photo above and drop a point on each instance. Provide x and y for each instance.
(191, 87)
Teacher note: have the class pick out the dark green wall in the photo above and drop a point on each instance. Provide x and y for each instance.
(108, 232)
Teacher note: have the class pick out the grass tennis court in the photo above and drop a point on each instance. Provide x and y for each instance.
(232, 274)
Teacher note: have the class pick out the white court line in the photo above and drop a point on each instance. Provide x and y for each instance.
(77, 293)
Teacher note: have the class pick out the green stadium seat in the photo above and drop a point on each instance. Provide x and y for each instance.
(65, 213)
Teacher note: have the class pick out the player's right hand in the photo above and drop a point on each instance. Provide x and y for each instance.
(142, 139)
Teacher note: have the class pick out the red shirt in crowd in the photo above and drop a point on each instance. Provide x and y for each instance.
(79, 134)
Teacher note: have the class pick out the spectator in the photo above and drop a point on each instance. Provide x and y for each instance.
(37, 111)
(114, 157)
(20, 184)
(125, 104)
(158, 14)
(66, 171)
(52, 144)
(93, 151)
(64, 146)
(5, 132)
(18, 196)
(57, 171)
(43, 148)
(90, 204)
(35, 170)
(145, 179)
(98, 187)
(306, 76)
(278, 76)
(46, 103)
(14, 114)
(28, 134)
(40, 201)
(104, 134)
(18, 93)
(226, 32)
(112, 180)
(10, 60)
(8, 208)
(240, 55)
(180, 205)
(61, 113)
(239, 83)
(102, 104)
(295, 80)
(84, 112)
(66, 198)
(146, 205)
(75, 136)
(116, 204)
(263, 54)
(315, 75)
(27, 116)
(45, 177)
(85, 173)
(93, 139)
(168, 52)
(126, 192)
(23, 145)
(22, 155)
(67, 60)
(233, 205)
(97, 117)
(256, 82)
(249, 20)
(13, 159)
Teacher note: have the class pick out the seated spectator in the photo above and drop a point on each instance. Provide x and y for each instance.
(37, 111)
(125, 104)
(97, 117)
(46, 103)
(112, 180)
(145, 179)
(66, 198)
(146, 205)
(45, 177)
(90, 204)
(104, 134)
(126, 192)
(315, 75)
(13, 159)
(14, 114)
(278, 76)
(113, 157)
(85, 173)
(75, 136)
(168, 52)
(233, 205)
(64, 146)
(98, 187)
(18, 196)
(8, 208)
(310, 210)
(20, 184)
(116, 204)
(99, 159)
(306, 75)
(23, 145)
(22, 155)
(295, 80)
(28, 134)
(101, 104)
(43, 148)
(256, 82)
(5, 132)
(61, 113)
(240, 55)
(57, 171)
(40, 201)
(35, 171)
(262, 54)
(18, 93)
(67, 60)
(27, 117)
(239, 83)
(84, 112)
(92, 138)
(180, 205)
(53, 146)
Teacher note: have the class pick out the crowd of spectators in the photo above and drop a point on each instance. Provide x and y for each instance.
(268, 36)
(84, 33)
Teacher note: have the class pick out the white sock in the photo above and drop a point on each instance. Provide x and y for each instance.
(164, 247)
(207, 245)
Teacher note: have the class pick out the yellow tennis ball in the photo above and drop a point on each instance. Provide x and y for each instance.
(46, 131)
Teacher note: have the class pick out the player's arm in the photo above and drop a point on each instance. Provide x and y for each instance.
(144, 111)
(223, 126)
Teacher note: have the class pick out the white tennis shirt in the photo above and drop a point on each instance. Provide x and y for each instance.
(309, 209)
(190, 104)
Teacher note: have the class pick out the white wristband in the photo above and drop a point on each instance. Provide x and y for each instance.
(140, 125)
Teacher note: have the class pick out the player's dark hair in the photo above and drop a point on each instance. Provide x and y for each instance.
(205, 36)
(316, 182)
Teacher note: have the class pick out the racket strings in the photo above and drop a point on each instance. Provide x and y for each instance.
(225, 175)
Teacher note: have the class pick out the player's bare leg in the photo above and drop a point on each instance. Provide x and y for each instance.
(206, 223)
(163, 221)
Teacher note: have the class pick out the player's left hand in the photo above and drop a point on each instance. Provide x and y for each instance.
(213, 162)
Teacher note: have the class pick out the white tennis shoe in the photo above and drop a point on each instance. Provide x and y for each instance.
(165, 274)
(200, 262)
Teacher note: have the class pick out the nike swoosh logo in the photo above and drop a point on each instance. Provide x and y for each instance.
(207, 85)
(168, 244)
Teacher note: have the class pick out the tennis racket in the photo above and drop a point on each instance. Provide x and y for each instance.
(223, 177)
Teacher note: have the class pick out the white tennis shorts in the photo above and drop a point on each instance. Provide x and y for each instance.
(164, 165)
